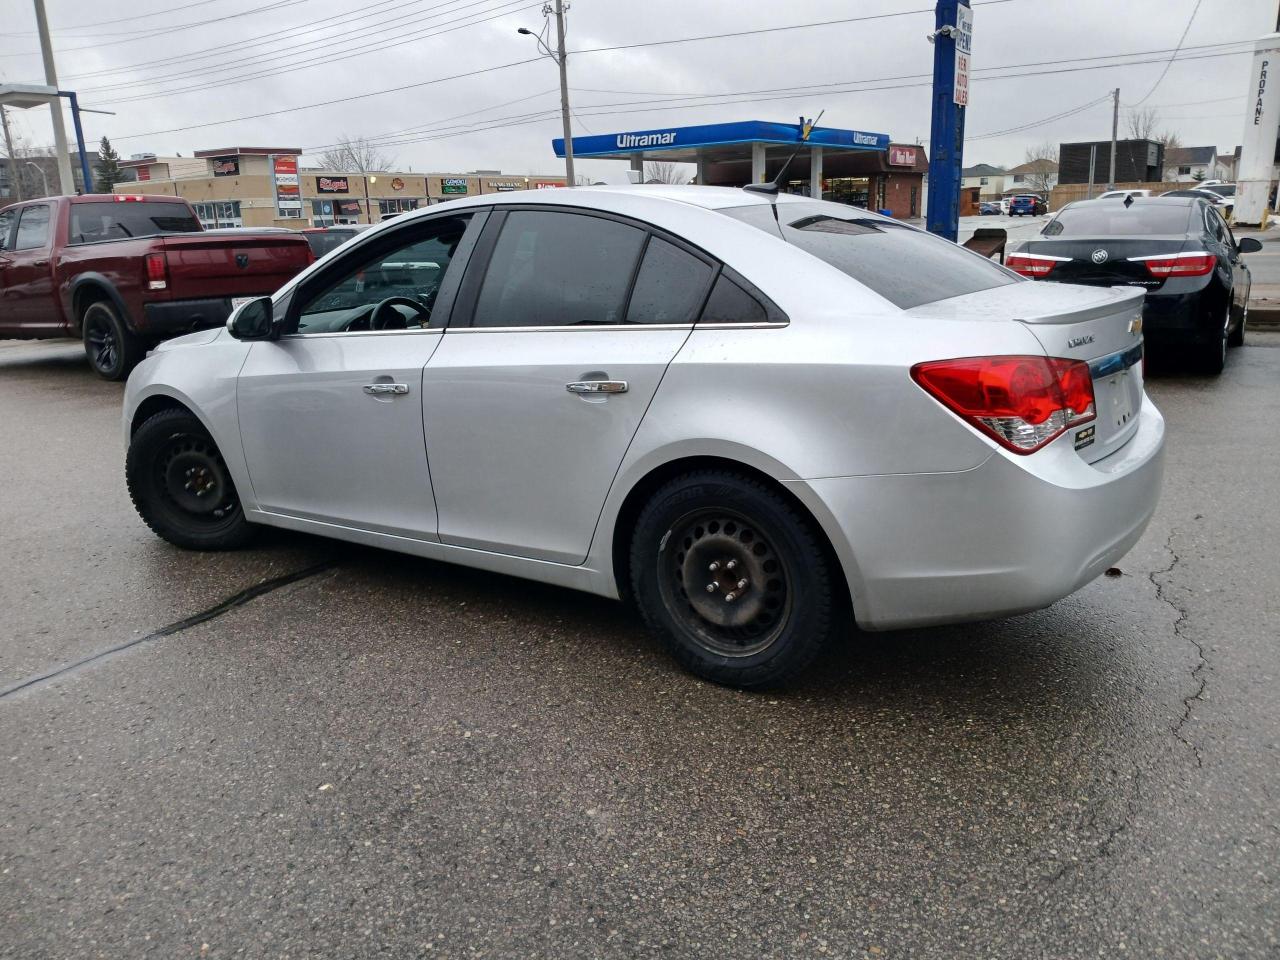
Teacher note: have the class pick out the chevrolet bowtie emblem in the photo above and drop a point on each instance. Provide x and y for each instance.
(1135, 325)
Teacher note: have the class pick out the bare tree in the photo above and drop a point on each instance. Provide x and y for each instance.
(1042, 172)
(1142, 124)
(664, 172)
(1171, 143)
(356, 155)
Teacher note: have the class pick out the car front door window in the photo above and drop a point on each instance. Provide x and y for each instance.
(6, 227)
(33, 228)
(390, 289)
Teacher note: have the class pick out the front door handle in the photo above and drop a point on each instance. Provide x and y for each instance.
(395, 389)
(597, 386)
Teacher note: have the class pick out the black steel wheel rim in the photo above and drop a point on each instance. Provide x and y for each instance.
(193, 480)
(724, 582)
(100, 334)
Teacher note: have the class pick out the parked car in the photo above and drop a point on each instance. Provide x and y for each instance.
(749, 425)
(1226, 204)
(325, 239)
(1027, 205)
(1176, 248)
(1123, 194)
(122, 273)
(1221, 189)
(989, 208)
(1004, 205)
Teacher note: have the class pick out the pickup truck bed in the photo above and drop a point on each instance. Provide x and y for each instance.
(122, 273)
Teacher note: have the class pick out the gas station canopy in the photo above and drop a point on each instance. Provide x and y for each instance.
(24, 96)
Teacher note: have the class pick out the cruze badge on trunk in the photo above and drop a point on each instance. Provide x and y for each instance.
(1100, 256)
(1080, 341)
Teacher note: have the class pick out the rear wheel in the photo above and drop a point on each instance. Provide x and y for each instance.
(734, 580)
(181, 487)
(1236, 337)
(1215, 357)
(112, 350)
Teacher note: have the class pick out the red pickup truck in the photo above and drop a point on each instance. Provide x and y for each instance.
(124, 272)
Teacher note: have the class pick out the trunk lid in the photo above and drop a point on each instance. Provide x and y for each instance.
(1104, 261)
(1101, 326)
(250, 264)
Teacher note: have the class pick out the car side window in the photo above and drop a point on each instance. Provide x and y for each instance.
(730, 303)
(554, 269)
(6, 227)
(33, 228)
(671, 285)
(412, 272)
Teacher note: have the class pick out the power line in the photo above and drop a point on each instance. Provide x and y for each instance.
(167, 30)
(1165, 71)
(1037, 123)
(306, 53)
(113, 20)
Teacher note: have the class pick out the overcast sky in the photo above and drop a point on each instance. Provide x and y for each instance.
(284, 55)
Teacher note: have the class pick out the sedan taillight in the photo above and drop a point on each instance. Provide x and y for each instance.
(1193, 264)
(1022, 402)
(157, 271)
(1037, 265)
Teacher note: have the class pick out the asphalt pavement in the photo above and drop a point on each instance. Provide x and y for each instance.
(313, 750)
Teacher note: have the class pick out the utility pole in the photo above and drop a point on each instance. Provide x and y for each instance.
(15, 174)
(67, 184)
(1115, 127)
(951, 43)
(563, 62)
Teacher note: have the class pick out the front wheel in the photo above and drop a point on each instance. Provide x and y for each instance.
(181, 487)
(731, 576)
(112, 350)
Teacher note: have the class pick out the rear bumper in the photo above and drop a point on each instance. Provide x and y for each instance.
(172, 318)
(1177, 318)
(1011, 535)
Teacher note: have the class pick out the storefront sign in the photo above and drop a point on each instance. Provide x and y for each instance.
(284, 173)
(502, 186)
(964, 46)
(226, 167)
(144, 173)
(397, 184)
(546, 185)
(349, 208)
(453, 185)
(332, 185)
(902, 156)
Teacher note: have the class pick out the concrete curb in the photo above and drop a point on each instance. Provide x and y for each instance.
(1264, 314)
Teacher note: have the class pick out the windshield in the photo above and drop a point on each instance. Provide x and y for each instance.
(1224, 189)
(1117, 219)
(904, 265)
(114, 220)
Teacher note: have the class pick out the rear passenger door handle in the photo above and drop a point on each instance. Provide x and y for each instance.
(379, 389)
(597, 386)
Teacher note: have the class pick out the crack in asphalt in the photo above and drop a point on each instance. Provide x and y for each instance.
(1197, 674)
(212, 613)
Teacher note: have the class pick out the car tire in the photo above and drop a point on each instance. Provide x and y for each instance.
(1215, 358)
(737, 583)
(111, 349)
(181, 487)
(1236, 337)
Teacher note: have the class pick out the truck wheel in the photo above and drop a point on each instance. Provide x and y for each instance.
(112, 350)
(733, 579)
(181, 487)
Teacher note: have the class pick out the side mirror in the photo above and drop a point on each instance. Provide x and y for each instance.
(253, 320)
(1249, 245)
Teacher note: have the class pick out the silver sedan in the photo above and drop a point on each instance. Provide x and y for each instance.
(759, 417)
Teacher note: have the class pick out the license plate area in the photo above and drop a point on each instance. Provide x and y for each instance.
(1117, 397)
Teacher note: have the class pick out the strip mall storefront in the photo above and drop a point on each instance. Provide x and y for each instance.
(264, 187)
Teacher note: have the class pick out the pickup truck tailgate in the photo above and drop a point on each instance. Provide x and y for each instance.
(202, 265)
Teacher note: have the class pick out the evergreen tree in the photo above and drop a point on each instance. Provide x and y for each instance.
(108, 172)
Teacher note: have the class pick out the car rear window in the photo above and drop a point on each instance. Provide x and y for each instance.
(904, 265)
(323, 241)
(114, 220)
(1224, 189)
(1116, 219)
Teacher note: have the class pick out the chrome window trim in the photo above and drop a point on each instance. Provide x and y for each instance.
(361, 333)
(637, 327)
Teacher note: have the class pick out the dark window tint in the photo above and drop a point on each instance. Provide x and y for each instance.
(323, 241)
(1118, 220)
(91, 222)
(33, 228)
(6, 227)
(558, 269)
(729, 303)
(906, 266)
(670, 287)
(1223, 189)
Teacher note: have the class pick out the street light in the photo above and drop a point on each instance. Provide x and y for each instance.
(43, 176)
(561, 58)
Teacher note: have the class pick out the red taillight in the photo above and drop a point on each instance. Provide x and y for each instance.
(157, 271)
(1021, 402)
(1197, 264)
(1035, 265)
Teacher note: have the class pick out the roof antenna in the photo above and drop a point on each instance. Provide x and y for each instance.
(772, 189)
